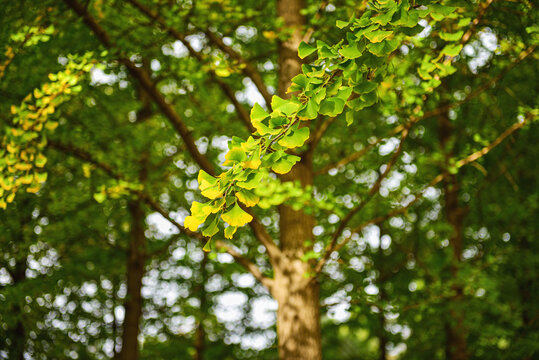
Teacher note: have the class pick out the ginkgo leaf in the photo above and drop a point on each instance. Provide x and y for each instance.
(200, 209)
(247, 198)
(193, 222)
(207, 247)
(377, 35)
(305, 50)
(282, 166)
(254, 161)
(310, 111)
(296, 138)
(252, 181)
(286, 107)
(452, 50)
(235, 155)
(258, 113)
(212, 192)
(351, 51)
(212, 229)
(236, 216)
(205, 180)
(230, 231)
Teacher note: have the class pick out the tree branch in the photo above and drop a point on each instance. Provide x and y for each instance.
(148, 85)
(336, 247)
(229, 92)
(249, 266)
(249, 70)
(373, 190)
(442, 109)
(246, 263)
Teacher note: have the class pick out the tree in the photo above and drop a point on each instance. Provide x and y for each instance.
(391, 75)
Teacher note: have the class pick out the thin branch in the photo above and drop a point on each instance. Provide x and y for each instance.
(249, 69)
(148, 85)
(374, 189)
(442, 109)
(467, 160)
(229, 92)
(246, 263)
(154, 205)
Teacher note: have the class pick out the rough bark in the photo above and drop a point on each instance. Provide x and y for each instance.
(298, 314)
(135, 272)
(456, 343)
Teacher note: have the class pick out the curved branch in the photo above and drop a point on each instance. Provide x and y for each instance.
(336, 247)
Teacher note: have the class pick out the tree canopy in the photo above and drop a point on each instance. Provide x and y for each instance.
(286, 179)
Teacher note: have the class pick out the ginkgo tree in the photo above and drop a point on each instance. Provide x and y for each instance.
(349, 77)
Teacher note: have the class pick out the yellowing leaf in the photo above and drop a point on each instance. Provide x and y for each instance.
(305, 50)
(254, 162)
(286, 107)
(248, 198)
(378, 35)
(296, 138)
(193, 222)
(230, 231)
(236, 216)
(258, 113)
(282, 166)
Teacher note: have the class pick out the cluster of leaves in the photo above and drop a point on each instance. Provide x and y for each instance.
(341, 81)
(23, 141)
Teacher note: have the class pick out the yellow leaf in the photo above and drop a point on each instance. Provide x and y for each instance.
(236, 216)
(248, 198)
(192, 222)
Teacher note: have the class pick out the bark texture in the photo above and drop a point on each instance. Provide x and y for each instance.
(298, 315)
(135, 272)
(456, 343)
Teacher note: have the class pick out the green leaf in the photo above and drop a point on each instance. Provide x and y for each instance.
(200, 209)
(451, 36)
(296, 138)
(235, 155)
(305, 50)
(247, 198)
(282, 166)
(351, 52)
(100, 197)
(310, 111)
(383, 48)
(384, 18)
(349, 118)
(252, 181)
(286, 107)
(378, 35)
(230, 231)
(212, 229)
(207, 247)
(236, 216)
(258, 113)
(332, 106)
(254, 161)
(342, 24)
(452, 50)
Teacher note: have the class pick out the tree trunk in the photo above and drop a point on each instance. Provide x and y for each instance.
(135, 272)
(456, 346)
(298, 315)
